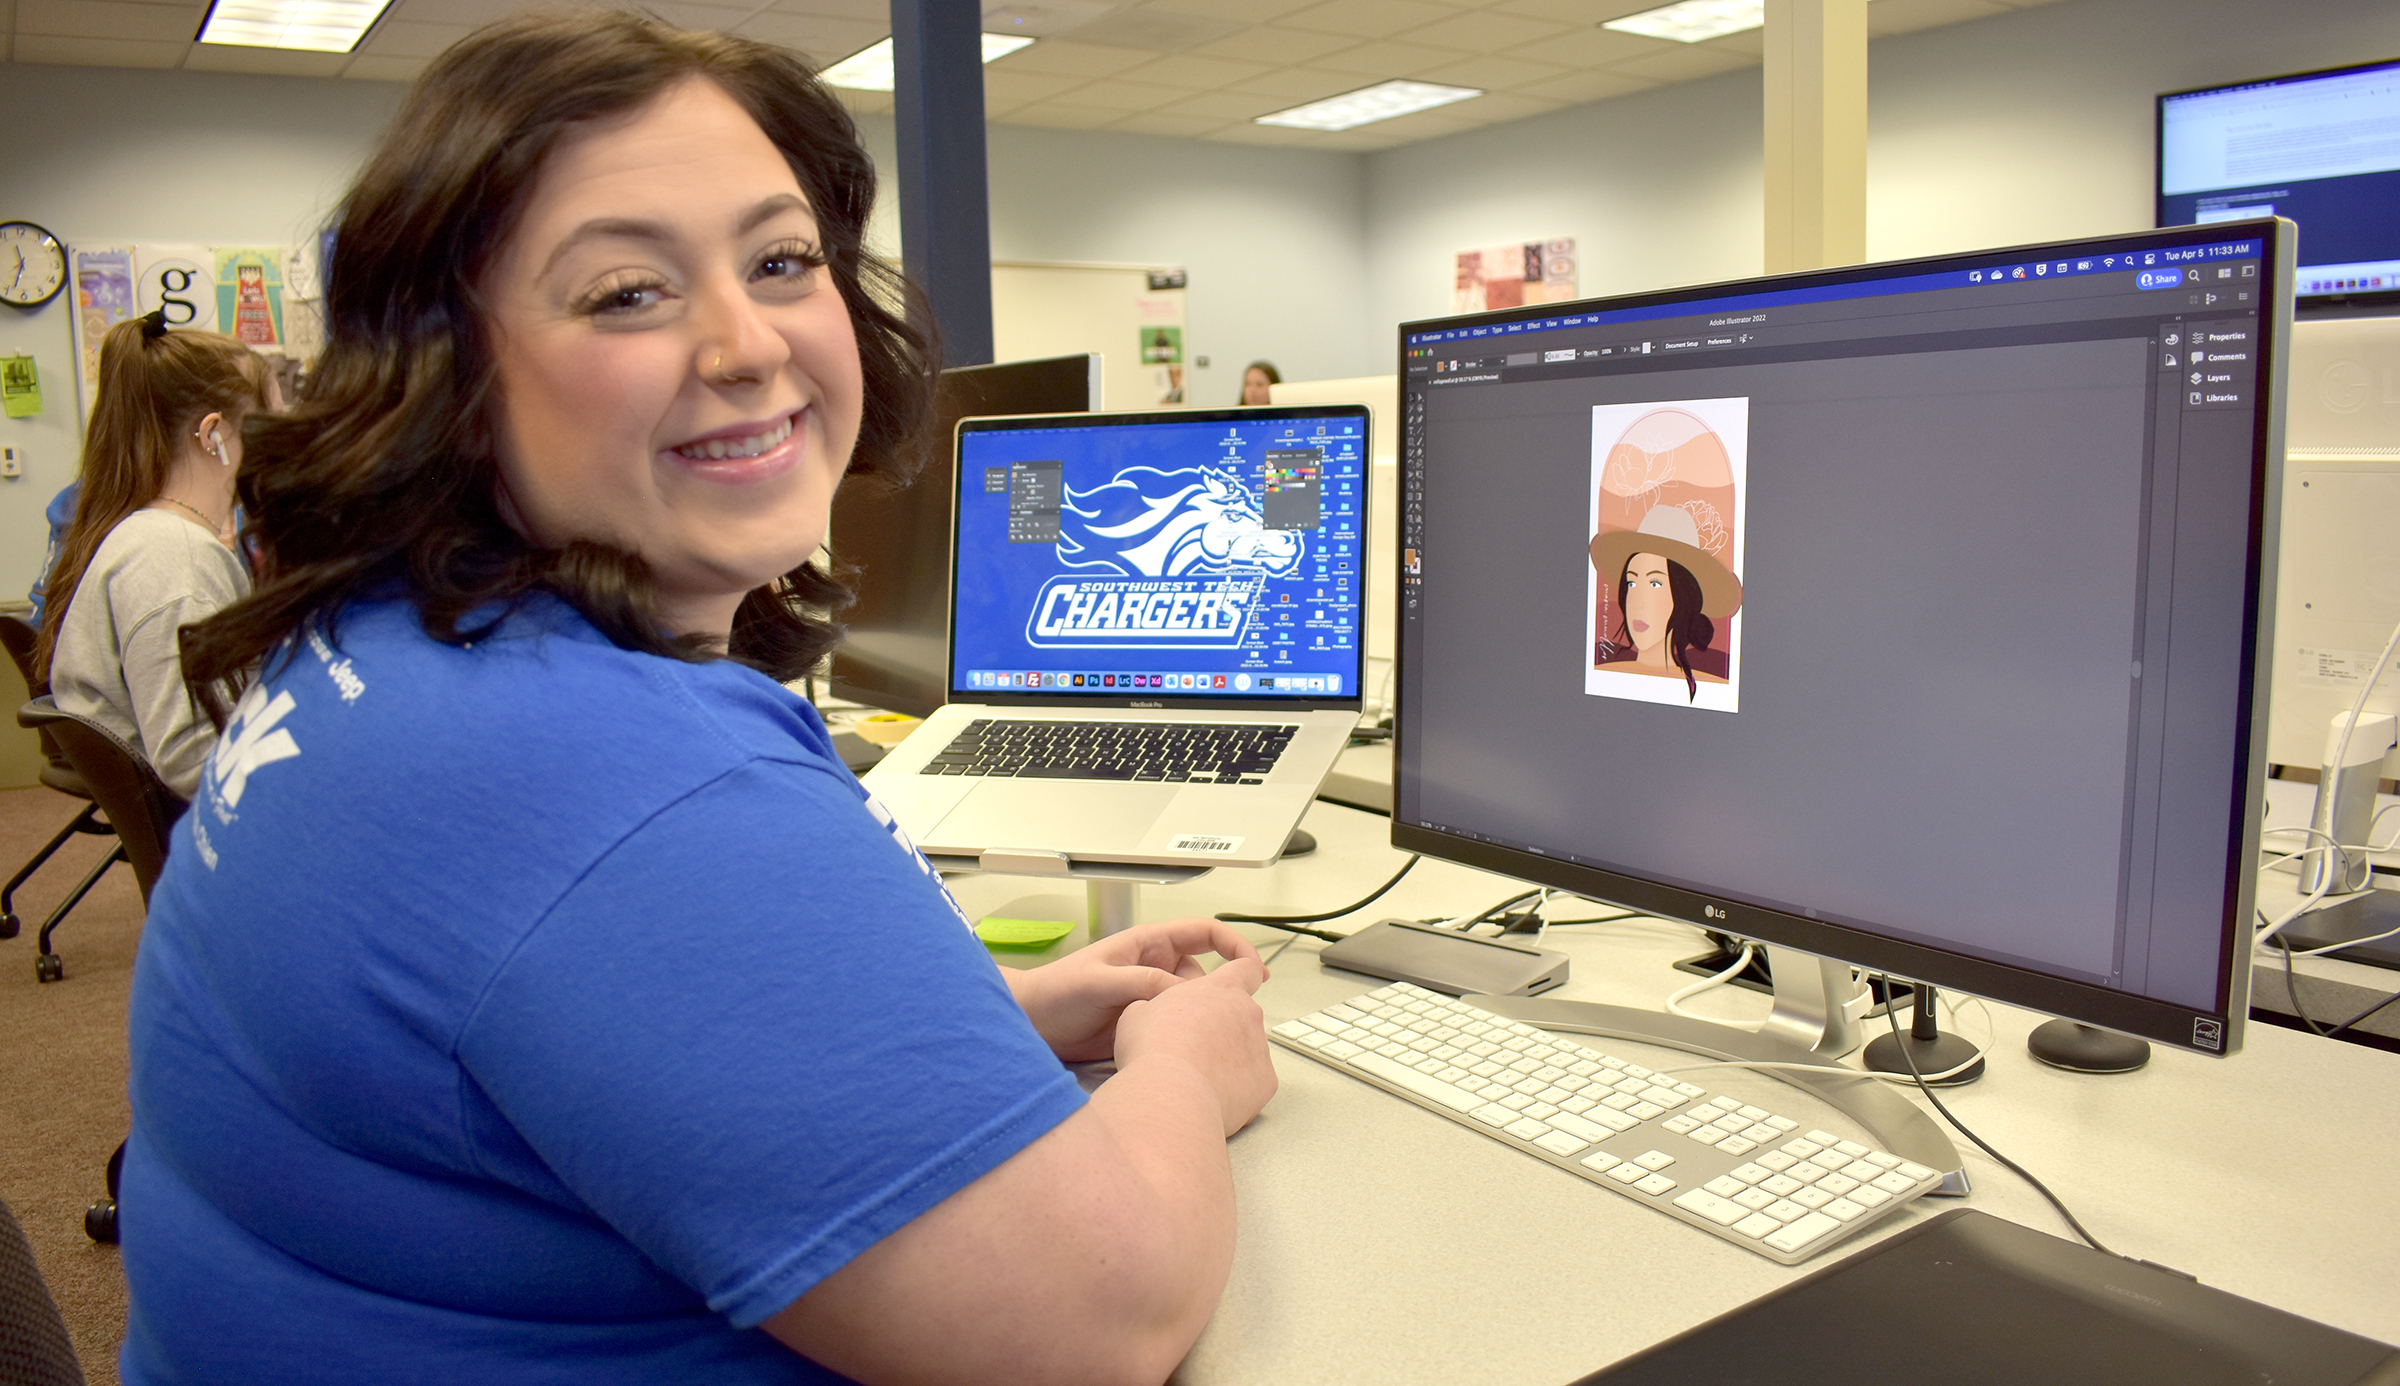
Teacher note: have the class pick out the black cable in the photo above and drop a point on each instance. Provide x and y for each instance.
(2395, 996)
(1288, 922)
(1892, 1016)
(2291, 988)
(1488, 915)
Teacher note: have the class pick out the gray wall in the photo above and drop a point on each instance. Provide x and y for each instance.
(106, 156)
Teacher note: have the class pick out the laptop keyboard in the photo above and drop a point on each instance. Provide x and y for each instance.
(1177, 751)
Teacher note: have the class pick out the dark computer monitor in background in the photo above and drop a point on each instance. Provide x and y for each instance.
(895, 651)
(2316, 148)
(1902, 615)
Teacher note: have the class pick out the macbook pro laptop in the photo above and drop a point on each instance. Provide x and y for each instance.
(1157, 636)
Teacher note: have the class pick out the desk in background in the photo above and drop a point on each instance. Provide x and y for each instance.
(1381, 1243)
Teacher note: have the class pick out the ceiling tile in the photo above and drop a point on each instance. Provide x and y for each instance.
(1169, 123)
(1591, 48)
(469, 12)
(1223, 106)
(1159, 31)
(1579, 12)
(369, 67)
(1074, 58)
(1370, 19)
(1294, 85)
(863, 11)
(107, 19)
(865, 102)
(98, 52)
(827, 37)
(1375, 62)
(1123, 96)
(1273, 44)
(1198, 73)
(694, 16)
(1750, 43)
(1907, 16)
(272, 62)
(401, 38)
(1019, 87)
(1581, 87)
(1057, 116)
(1484, 31)
(1492, 74)
(1687, 62)
(1247, 11)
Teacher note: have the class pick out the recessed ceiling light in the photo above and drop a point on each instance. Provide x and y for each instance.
(312, 26)
(1693, 20)
(870, 68)
(1383, 101)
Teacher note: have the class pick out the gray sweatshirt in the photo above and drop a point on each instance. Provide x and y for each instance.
(117, 660)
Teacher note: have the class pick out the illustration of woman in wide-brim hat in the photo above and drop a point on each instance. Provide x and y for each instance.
(1672, 596)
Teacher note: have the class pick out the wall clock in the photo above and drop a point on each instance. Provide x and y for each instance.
(33, 265)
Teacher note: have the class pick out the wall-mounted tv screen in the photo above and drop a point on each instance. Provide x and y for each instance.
(2322, 148)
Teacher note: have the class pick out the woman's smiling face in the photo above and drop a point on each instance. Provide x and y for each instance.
(677, 371)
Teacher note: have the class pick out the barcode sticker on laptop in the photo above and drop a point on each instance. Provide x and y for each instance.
(1201, 842)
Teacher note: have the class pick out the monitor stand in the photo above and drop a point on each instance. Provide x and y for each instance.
(1925, 1051)
(2083, 1048)
(1812, 1021)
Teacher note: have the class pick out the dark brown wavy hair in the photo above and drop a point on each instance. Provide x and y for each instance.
(382, 479)
(155, 385)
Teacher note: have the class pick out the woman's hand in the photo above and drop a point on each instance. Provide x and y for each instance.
(1075, 1001)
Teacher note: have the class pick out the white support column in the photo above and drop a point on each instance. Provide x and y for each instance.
(1816, 145)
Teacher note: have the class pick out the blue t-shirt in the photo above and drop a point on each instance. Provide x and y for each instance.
(539, 1011)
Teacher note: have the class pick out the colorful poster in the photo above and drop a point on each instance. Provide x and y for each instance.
(20, 386)
(103, 298)
(179, 280)
(1511, 276)
(250, 295)
(1665, 552)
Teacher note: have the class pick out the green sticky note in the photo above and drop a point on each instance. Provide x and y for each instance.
(20, 386)
(1028, 935)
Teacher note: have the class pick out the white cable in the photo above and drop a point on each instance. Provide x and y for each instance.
(2312, 900)
(1740, 961)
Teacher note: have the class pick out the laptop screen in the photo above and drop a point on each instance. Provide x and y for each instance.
(1198, 554)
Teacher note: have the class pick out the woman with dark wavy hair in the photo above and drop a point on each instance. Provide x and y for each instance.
(531, 995)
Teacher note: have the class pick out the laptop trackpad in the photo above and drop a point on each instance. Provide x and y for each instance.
(1072, 820)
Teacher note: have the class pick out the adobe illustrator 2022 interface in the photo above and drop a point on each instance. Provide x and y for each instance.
(1888, 598)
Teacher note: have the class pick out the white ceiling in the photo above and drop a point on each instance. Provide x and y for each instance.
(1198, 69)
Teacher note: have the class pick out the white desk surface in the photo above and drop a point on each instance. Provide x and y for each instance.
(1381, 1243)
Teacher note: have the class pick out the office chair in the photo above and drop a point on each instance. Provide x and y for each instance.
(58, 773)
(34, 1346)
(144, 811)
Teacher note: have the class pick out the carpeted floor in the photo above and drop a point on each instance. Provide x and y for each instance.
(62, 1049)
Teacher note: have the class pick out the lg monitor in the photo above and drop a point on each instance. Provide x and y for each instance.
(2317, 148)
(1904, 616)
(894, 652)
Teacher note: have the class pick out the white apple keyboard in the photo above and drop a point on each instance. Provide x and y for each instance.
(1723, 1165)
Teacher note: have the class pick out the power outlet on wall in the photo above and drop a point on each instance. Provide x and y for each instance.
(12, 462)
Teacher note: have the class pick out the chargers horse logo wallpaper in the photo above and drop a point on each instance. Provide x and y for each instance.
(1149, 523)
(1181, 559)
